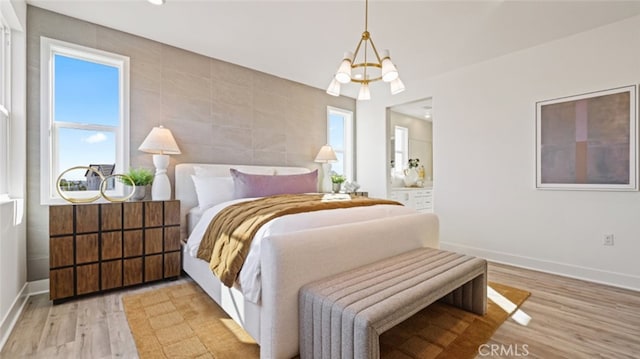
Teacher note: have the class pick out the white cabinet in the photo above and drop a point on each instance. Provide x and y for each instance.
(418, 198)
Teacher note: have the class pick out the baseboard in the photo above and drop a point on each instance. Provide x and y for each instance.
(39, 286)
(10, 320)
(615, 279)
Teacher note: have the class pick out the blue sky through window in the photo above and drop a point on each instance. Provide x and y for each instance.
(336, 131)
(85, 147)
(336, 140)
(86, 93)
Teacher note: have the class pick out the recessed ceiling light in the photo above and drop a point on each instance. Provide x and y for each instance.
(156, 2)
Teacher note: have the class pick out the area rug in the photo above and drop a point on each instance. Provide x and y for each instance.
(181, 321)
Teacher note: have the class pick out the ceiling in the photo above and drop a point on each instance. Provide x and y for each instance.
(304, 40)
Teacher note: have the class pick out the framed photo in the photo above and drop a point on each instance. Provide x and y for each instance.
(588, 141)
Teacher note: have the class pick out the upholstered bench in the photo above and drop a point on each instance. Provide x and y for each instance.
(342, 316)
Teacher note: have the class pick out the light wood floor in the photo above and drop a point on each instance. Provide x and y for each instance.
(570, 319)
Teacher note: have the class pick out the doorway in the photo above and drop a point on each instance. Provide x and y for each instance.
(410, 138)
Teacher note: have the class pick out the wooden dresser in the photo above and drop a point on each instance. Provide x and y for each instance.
(97, 247)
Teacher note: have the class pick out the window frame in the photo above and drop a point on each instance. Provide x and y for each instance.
(347, 150)
(404, 151)
(49, 128)
(5, 106)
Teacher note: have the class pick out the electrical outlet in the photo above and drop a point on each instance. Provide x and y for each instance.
(608, 240)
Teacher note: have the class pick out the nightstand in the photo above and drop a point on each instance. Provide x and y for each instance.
(98, 247)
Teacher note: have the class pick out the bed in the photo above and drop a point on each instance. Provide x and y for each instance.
(291, 257)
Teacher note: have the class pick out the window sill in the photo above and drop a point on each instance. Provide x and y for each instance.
(59, 201)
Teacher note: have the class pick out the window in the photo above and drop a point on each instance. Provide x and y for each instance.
(340, 137)
(5, 105)
(401, 158)
(85, 116)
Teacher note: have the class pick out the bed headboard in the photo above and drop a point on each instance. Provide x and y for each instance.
(186, 192)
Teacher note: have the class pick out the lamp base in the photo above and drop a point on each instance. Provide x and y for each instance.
(326, 178)
(161, 187)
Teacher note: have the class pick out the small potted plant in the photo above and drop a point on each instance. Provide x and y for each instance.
(336, 181)
(141, 177)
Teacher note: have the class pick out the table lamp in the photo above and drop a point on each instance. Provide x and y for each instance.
(326, 156)
(161, 143)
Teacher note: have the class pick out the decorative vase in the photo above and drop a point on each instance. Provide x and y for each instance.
(397, 179)
(410, 177)
(336, 187)
(139, 193)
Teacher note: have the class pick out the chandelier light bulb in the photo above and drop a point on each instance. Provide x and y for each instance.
(343, 75)
(397, 86)
(334, 88)
(364, 93)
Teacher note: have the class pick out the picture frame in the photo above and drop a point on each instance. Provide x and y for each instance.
(588, 141)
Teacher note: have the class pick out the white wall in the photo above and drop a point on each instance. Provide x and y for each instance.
(13, 255)
(372, 155)
(484, 155)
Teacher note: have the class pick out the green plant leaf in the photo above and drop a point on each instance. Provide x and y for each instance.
(139, 176)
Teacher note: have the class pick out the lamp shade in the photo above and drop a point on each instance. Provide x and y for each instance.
(389, 71)
(344, 71)
(326, 155)
(396, 86)
(364, 93)
(334, 88)
(160, 141)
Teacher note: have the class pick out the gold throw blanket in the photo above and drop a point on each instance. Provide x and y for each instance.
(227, 240)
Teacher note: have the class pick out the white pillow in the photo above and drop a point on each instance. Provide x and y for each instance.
(212, 190)
(204, 171)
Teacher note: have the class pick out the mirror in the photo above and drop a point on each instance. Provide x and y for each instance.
(419, 148)
(410, 122)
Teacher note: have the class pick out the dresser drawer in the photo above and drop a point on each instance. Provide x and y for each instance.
(420, 199)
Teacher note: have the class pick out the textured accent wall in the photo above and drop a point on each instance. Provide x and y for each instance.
(218, 112)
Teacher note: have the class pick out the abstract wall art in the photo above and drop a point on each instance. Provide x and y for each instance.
(588, 141)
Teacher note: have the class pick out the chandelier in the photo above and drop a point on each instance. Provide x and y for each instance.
(370, 67)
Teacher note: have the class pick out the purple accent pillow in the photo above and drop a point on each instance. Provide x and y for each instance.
(250, 185)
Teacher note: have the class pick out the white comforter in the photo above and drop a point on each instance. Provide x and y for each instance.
(249, 278)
